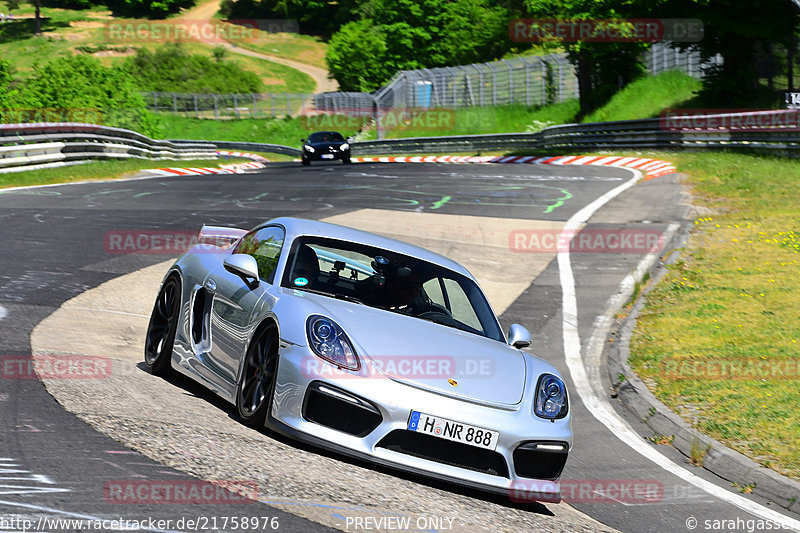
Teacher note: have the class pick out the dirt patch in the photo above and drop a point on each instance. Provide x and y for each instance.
(87, 24)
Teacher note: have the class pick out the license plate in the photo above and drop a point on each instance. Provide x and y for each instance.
(327, 156)
(451, 430)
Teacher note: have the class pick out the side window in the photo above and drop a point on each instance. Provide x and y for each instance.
(460, 305)
(433, 289)
(265, 246)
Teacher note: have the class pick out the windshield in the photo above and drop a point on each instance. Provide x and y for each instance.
(390, 281)
(325, 137)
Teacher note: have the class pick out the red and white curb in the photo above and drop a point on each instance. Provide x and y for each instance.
(172, 171)
(652, 168)
(233, 168)
(239, 168)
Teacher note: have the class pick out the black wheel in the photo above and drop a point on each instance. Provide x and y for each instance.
(162, 328)
(305, 161)
(346, 161)
(256, 384)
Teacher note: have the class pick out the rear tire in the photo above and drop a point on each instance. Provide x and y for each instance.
(256, 384)
(162, 328)
(346, 161)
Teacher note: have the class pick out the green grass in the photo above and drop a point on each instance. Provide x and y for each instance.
(474, 120)
(647, 97)
(301, 48)
(98, 170)
(286, 131)
(732, 297)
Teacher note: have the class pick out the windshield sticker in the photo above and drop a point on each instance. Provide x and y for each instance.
(301, 282)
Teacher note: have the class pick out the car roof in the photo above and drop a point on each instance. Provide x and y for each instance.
(296, 227)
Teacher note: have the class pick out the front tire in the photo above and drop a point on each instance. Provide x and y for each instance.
(256, 385)
(304, 161)
(162, 328)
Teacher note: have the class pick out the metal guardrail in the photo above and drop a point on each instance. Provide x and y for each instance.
(627, 134)
(25, 146)
(251, 147)
(43, 145)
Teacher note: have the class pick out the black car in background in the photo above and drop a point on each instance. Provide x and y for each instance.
(325, 146)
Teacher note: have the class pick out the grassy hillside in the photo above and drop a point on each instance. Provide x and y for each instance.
(67, 32)
(647, 97)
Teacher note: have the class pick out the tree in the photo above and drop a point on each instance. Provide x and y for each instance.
(602, 67)
(739, 31)
(356, 56)
(411, 34)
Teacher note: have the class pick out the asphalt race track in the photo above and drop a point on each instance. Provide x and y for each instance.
(55, 247)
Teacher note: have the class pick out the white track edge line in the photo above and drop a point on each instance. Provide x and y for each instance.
(600, 408)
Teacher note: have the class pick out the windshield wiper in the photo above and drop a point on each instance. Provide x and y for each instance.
(336, 295)
(348, 298)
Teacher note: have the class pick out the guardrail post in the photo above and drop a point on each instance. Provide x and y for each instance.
(288, 106)
(196, 112)
(155, 102)
(174, 103)
(216, 108)
(255, 113)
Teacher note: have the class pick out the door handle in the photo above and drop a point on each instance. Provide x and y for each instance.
(211, 285)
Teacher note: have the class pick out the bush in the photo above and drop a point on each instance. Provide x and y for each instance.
(79, 86)
(171, 69)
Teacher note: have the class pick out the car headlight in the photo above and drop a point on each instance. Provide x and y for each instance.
(329, 342)
(309, 148)
(344, 147)
(551, 397)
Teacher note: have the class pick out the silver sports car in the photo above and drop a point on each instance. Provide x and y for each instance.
(365, 345)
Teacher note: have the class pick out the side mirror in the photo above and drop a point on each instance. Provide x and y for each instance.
(302, 140)
(243, 265)
(518, 336)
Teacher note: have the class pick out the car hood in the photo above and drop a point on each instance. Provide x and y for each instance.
(424, 354)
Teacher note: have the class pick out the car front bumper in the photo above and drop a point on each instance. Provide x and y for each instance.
(383, 442)
(318, 155)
